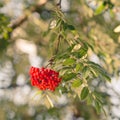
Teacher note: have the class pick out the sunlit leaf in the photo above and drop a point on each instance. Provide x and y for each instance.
(117, 29)
(53, 24)
(5, 35)
(93, 72)
(69, 61)
(76, 83)
(86, 71)
(100, 9)
(80, 53)
(78, 67)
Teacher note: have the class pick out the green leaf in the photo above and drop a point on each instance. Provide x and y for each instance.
(76, 83)
(44, 34)
(105, 76)
(97, 106)
(100, 9)
(5, 35)
(3, 44)
(99, 70)
(69, 76)
(80, 53)
(89, 99)
(62, 89)
(98, 97)
(79, 67)
(85, 71)
(69, 27)
(69, 49)
(63, 56)
(98, 102)
(69, 61)
(94, 65)
(94, 73)
(53, 37)
(84, 93)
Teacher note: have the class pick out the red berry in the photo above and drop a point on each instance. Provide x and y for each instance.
(44, 78)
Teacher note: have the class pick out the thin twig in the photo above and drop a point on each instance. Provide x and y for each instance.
(50, 61)
(59, 3)
(58, 43)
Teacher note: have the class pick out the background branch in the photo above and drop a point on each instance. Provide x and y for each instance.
(59, 3)
(25, 16)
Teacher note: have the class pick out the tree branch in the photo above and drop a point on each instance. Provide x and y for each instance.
(24, 17)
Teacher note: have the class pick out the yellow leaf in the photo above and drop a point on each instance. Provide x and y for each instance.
(117, 29)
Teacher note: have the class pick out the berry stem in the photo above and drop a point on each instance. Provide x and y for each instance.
(49, 100)
(50, 61)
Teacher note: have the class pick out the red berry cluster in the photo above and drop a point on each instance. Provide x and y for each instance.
(44, 78)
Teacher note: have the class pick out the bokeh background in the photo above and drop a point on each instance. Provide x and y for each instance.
(23, 44)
